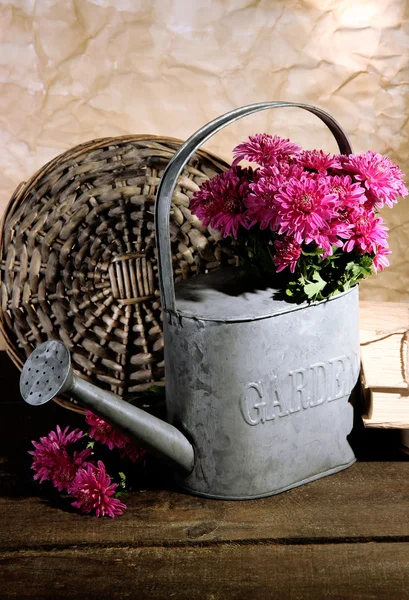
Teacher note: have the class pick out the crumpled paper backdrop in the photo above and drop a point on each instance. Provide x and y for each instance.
(73, 70)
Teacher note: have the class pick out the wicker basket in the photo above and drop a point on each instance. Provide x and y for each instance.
(78, 258)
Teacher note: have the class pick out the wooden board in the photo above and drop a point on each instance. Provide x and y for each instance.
(366, 502)
(307, 572)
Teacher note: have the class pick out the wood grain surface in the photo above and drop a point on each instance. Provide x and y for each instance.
(369, 501)
(306, 572)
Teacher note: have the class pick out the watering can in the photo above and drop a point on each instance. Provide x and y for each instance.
(257, 389)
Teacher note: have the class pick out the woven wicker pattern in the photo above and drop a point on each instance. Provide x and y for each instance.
(78, 258)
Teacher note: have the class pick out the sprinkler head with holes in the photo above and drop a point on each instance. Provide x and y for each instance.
(47, 373)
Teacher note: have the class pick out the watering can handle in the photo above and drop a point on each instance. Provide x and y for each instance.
(175, 166)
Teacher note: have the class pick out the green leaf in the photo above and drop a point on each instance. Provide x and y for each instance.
(360, 268)
(91, 444)
(354, 269)
(120, 494)
(366, 263)
(316, 252)
(314, 288)
(157, 389)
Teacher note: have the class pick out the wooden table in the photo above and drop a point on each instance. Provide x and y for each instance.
(345, 536)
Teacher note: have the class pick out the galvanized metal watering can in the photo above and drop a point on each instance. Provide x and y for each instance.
(257, 390)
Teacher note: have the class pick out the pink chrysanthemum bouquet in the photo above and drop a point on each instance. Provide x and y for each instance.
(59, 458)
(312, 217)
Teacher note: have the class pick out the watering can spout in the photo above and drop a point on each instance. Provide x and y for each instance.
(48, 373)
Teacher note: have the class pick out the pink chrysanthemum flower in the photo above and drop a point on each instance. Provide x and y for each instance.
(260, 204)
(134, 453)
(349, 194)
(62, 439)
(93, 490)
(369, 233)
(52, 462)
(220, 201)
(304, 207)
(103, 432)
(65, 467)
(379, 175)
(328, 237)
(265, 150)
(287, 253)
(287, 169)
(333, 234)
(380, 261)
(318, 161)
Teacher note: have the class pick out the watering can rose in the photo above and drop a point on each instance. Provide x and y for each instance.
(312, 215)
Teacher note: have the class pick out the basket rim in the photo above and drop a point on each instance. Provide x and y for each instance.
(75, 151)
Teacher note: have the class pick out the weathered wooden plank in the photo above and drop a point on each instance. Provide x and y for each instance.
(311, 572)
(368, 501)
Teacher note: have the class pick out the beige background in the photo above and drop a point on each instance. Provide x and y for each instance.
(73, 70)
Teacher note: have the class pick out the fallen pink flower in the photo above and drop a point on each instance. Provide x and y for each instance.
(93, 490)
(103, 432)
(51, 460)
